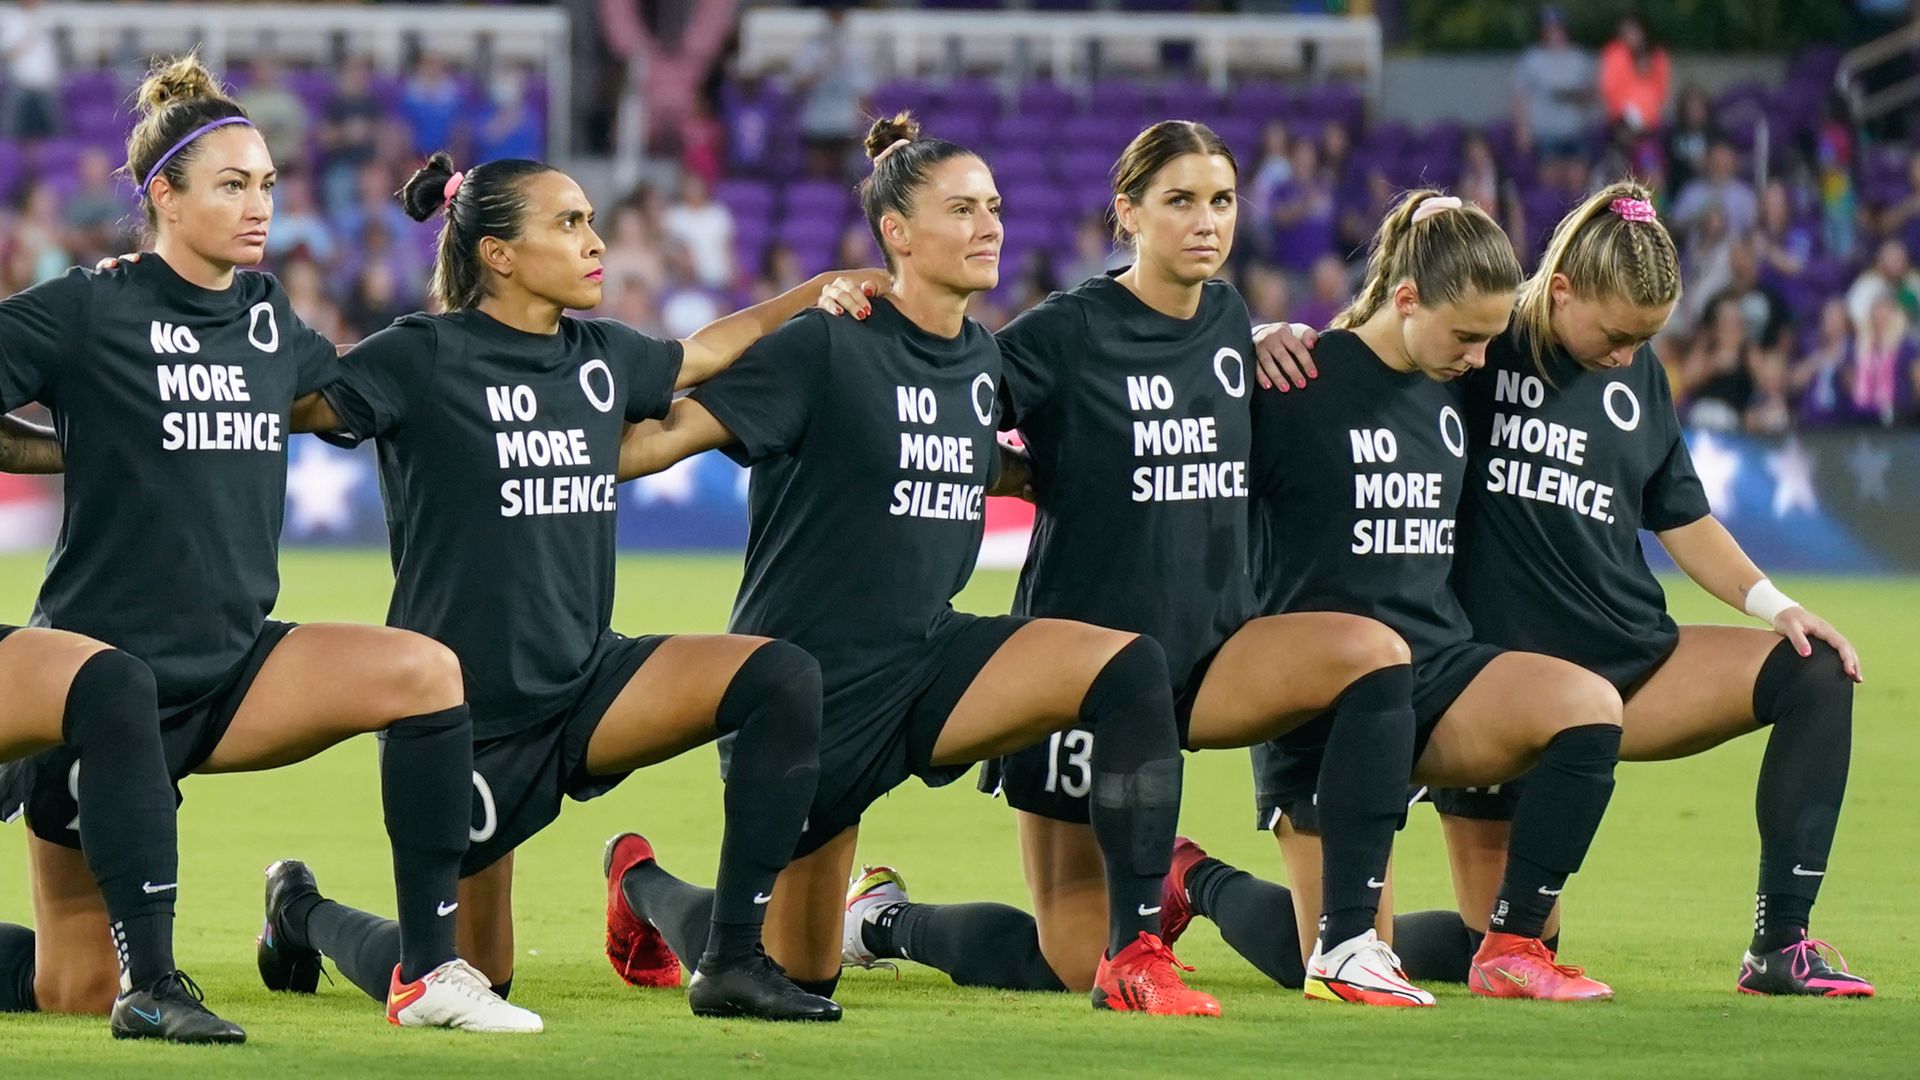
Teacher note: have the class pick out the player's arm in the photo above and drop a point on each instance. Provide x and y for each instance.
(1015, 475)
(1709, 554)
(719, 343)
(1283, 353)
(28, 448)
(653, 446)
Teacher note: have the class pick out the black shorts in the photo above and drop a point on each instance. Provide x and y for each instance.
(1052, 777)
(519, 779)
(1286, 770)
(1496, 803)
(858, 767)
(45, 786)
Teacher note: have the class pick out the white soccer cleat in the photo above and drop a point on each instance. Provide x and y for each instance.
(1362, 970)
(455, 995)
(872, 891)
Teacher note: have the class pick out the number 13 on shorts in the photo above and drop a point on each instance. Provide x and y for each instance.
(1070, 763)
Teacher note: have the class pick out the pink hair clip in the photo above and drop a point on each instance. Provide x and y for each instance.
(1633, 209)
(1436, 204)
(453, 185)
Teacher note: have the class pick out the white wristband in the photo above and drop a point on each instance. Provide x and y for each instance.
(1764, 602)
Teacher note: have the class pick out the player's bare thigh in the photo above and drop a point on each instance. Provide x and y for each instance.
(1031, 687)
(1700, 696)
(1279, 671)
(1497, 727)
(37, 668)
(668, 706)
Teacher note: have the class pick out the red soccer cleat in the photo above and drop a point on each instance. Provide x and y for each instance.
(635, 948)
(1145, 977)
(1511, 966)
(1176, 907)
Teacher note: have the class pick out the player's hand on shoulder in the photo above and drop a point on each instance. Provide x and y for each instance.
(850, 292)
(112, 262)
(1284, 355)
(1802, 627)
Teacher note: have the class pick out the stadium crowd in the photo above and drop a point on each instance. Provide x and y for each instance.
(1797, 234)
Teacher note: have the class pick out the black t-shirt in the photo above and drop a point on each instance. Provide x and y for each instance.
(171, 403)
(872, 445)
(1139, 430)
(1566, 470)
(498, 452)
(1356, 485)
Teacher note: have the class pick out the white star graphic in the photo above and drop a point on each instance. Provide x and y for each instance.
(1870, 462)
(319, 483)
(673, 485)
(1717, 467)
(1792, 469)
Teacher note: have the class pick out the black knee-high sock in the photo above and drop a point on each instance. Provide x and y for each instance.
(1554, 822)
(1803, 779)
(774, 705)
(1255, 917)
(1135, 808)
(364, 946)
(990, 945)
(16, 969)
(1363, 796)
(683, 913)
(126, 807)
(426, 783)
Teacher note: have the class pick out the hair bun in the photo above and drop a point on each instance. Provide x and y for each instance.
(183, 78)
(885, 132)
(425, 192)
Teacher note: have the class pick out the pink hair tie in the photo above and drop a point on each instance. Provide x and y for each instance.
(453, 185)
(888, 152)
(1633, 209)
(1434, 205)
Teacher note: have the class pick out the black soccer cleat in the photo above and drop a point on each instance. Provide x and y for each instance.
(1801, 970)
(756, 989)
(171, 1009)
(284, 965)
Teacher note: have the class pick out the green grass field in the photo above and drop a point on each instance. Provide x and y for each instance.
(1661, 912)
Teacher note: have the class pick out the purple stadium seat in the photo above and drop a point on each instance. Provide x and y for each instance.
(1043, 99)
(1024, 131)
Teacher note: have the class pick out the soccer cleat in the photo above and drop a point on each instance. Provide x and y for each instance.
(634, 946)
(455, 995)
(1801, 970)
(283, 965)
(1145, 977)
(172, 1009)
(873, 890)
(1511, 966)
(757, 989)
(1361, 970)
(1176, 905)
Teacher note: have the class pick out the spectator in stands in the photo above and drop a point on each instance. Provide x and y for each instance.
(1768, 322)
(349, 133)
(299, 228)
(1891, 275)
(1833, 158)
(1822, 380)
(1269, 298)
(1770, 409)
(1634, 77)
(832, 80)
(703, 230)
(1897, 219)
(1693, 134)
(1783, 244)
(374, 207)
(779, 271)
(432, 105)
(856, 246)
(306, 289)
(97, 211)
(277, 112)
(1715, 383)
(1303, 219)
(1719, 186)
(1328, 291)
(1479, 179)
(511, 129)
(376, 299)
(1553, 93)
(1361, 207)
(1883, 365)
(1273, 173)
(1706, 265)
(1035, 279)
(32, 67)
(39, 234)
(703, 144)
(633, 260)
(1093, 251)
(1336, 154)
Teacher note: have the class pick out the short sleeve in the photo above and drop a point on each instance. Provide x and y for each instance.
(315, 358)
(1035, 350)
(379, 378)
(649, 366)
(1673, 495)
(767, 396)
(39, 329)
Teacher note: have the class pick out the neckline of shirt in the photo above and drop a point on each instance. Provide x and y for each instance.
(168, 282)
(1109, 284)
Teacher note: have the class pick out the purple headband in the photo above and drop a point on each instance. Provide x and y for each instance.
(182, 145)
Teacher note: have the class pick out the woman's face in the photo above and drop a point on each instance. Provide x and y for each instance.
(224, 207)
(1602, 333)
(951, 238)
(1183, 222)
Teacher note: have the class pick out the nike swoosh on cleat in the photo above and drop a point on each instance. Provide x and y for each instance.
(1800, 871)
(446, 909)
(1145, 910)
(406, 997)
(150, 888)
(1520, 981)
(150, 1017)
(761, 898)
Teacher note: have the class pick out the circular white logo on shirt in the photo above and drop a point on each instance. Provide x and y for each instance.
(1237, 386)
(1632, 419)
(272, 342)
(1452, 431)
(983, 402)
(586, 384)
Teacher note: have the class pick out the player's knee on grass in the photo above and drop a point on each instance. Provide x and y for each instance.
(1803, 689)
(421, 676)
